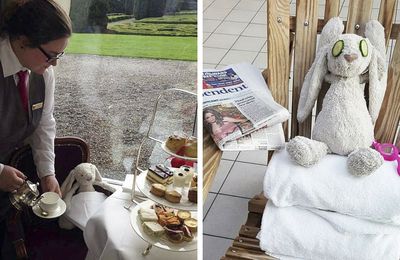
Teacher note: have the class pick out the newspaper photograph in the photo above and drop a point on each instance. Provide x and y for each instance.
(239, 111)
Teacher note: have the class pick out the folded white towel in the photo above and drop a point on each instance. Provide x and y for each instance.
(348, 224)
(329, 186)
(296, 232)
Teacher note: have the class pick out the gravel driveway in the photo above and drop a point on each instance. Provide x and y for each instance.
(108, 101)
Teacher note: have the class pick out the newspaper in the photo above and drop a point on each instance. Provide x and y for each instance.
(239, 111)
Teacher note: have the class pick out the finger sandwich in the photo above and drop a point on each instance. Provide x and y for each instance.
(153, 229)
(146, 214)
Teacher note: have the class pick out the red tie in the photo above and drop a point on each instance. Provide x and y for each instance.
(22, 87)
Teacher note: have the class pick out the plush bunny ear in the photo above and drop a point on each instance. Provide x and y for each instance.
(375, 33)
(377, 84)
(67, 184)
(98, 176)
(312, 85)
(377, 71)
(333, 28)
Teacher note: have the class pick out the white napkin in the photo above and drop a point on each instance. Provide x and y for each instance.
(83, 206)
(296, 232)
(329, 186)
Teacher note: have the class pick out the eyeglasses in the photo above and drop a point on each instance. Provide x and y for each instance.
(389, 152)
(49, 57)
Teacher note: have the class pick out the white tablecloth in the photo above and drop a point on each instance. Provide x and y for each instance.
(109, 235)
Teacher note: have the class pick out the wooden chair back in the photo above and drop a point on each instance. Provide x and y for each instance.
(292, 40)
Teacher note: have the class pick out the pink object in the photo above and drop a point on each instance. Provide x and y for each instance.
(389, 152)
(22, 87)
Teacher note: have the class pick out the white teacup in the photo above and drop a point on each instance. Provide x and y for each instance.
(49, 202)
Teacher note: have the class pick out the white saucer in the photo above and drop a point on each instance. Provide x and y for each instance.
(60, 210)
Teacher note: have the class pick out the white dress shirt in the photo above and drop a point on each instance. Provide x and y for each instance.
(42, 140)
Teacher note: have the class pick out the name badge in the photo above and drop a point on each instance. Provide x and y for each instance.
(37, 105)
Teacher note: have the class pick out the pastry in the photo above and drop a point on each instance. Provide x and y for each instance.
(179, 178)
(193, 183)
(173, 196)
(161, 209)
(158, 189)
(175, 142)
(192, 195)
(191, 147)
(165, 169)
(183, 214)
(191, 223)
(156, 175)
(188, 172)
(153, 229)
(146, 214)
(168, 219)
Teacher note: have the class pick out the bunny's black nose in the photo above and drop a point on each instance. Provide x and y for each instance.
(350, 57)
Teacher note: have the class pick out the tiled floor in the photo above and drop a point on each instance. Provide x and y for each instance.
(235, 31)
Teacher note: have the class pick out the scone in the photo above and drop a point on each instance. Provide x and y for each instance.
(190, 149)
(173, 196)
(146, 214)
(192, 195)
(158, 189)
(153, 229)
(175, 142)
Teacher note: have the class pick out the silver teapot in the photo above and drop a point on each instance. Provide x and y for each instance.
(27, 194)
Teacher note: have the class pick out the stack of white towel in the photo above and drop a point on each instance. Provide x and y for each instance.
(324, 212)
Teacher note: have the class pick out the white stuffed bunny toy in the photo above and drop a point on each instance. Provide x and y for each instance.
(81, 179)
(345, 125)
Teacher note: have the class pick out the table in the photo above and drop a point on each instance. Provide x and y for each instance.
(109, 235)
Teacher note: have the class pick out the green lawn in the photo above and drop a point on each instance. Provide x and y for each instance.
(135, 46)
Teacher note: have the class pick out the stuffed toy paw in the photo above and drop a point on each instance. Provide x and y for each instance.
(345, 125)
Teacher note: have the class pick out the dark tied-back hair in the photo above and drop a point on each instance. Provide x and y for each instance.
(41, 21)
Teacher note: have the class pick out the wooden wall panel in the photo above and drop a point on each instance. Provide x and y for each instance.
(387, 15)
(304, 54)
(359, 14)
(388, 120)
(278, 51)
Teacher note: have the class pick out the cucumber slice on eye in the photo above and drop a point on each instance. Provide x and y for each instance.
(364, 48)
(337, 48)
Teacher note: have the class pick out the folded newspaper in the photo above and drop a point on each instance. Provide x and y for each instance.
(239, 111)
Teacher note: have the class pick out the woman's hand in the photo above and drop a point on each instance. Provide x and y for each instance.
(11, 179)
(50, 183)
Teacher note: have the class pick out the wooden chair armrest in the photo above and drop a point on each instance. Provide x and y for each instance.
(211, 158)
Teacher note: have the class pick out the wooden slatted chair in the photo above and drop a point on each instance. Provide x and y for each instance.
(295, 38)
